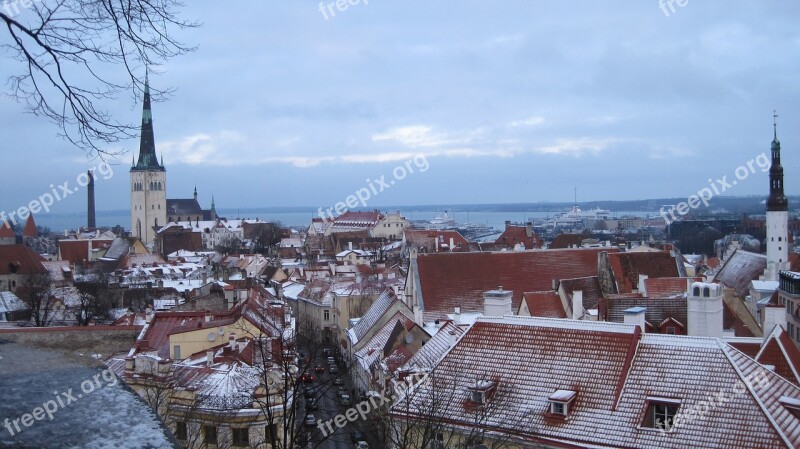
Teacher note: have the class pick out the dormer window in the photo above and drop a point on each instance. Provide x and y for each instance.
(660, 413)
(791, 404)
(482, 392)
(560, 402)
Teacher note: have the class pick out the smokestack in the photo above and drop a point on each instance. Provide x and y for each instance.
(90, 219)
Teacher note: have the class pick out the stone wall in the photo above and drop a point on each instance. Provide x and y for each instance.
(103, 340)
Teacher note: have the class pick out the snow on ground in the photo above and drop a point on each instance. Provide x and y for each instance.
(102, 414)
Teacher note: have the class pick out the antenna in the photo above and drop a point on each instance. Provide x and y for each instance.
(576, 195)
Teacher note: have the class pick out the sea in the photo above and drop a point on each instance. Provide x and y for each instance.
(299, 217)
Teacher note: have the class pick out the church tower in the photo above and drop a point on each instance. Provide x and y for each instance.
(148, 181)
(777, 214)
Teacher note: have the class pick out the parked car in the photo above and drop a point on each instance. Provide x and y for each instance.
(307, 378)
(357, 436)
(333, 370)
(310, 420)
(345, 399)
(338, 381)
(319, 369)
(362, 445)
(312, 403)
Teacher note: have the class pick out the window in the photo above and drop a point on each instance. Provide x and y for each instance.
(660, 413)
(176, 352)
(706, 292)
(180, 430)
(557, 408)
(241, 437)
(671, 330)
(210, 435)
(326, 314)
(271, 431)
(560, 402)
(696, 291)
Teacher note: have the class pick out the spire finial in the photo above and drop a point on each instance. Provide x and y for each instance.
(775, 123)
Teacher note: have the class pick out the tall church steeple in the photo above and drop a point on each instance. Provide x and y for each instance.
(777, 213)
(148, 181)
(147, 145)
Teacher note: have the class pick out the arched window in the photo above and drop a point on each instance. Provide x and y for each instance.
(706, 292)
(696, 291)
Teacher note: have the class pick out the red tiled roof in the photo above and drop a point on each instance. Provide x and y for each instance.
(6, 231)
(614, 371)
(352, 219)
(567, 241)
(741, 268)
(628, 266)
(20, 259)
(77, 251)
(30, 228)
(668, 287)
(545, 304)
(590, 286)
(518, 234)
(460, 279)
(780, 352)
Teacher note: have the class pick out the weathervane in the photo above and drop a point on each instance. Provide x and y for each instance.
(775, 122)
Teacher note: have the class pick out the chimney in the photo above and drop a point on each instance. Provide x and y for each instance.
(497, 302)
(704, 310)
(641, 286)
(453, 338)
(90, 218)
(232, 341)
(635, 315)
(350, 245)
(207, 317)
(209, 358)
(130, 363)
(577, 304)
(417, 315)
(508, 224)
(451, 244)
(457, 316)
(529, 229)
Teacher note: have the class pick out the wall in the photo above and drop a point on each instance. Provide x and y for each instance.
(95, 339)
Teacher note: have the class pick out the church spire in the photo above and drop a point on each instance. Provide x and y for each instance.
(777, 201)
(147, 147)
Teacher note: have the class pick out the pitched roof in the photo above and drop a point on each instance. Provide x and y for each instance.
(514, 235)
(375, 312)
(741, 268)
(77, 251)
(658, 309)
(628, 266)
(590, 286)
(436, 241)
(352, 219)
(668, 287)
(460, 279)
(544, 304)
(30, 228)
(779, 351)
(615, 371)
(567, 241)
(6, 231)
(19, 259)
(188, 206)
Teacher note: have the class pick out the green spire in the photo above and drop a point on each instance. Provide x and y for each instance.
(147, 148)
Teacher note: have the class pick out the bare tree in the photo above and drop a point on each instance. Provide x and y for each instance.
(37, 293)
(94, 301)
(60, 44)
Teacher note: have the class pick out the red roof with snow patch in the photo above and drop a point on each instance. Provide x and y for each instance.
(628, 266)
(460, 279)
(545, 304)
(668, 287)
(77, 251)
(514, 235)
(19, 259)
(780, 352)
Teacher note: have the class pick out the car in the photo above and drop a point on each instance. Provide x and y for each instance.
(310, 421)
(310, 392)
(333, 370)
(307, 378)
(362, 445)
(312, 403)
(342, 390)
(357, 436)
(326, 352)
(338, 381)
(319, 369)
(345, 399)
(331, 361)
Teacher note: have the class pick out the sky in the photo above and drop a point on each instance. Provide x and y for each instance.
(283, 104)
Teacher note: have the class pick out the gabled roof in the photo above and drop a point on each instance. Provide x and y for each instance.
(545, 304)
(615, 372)
(77, 251)
(433, 351)
(6, 231)
(188, 206)
(374, 349)
(20, 259)
(460, 279)
(628, 266)
(375, 312)
(779, 351)
(567, 241)
(352, 219)
(741, 268)
(590, 286)
(658, 309)
(514, 235)
(9, 302)
(30, 228)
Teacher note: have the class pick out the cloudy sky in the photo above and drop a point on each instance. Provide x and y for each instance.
(513, 101)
